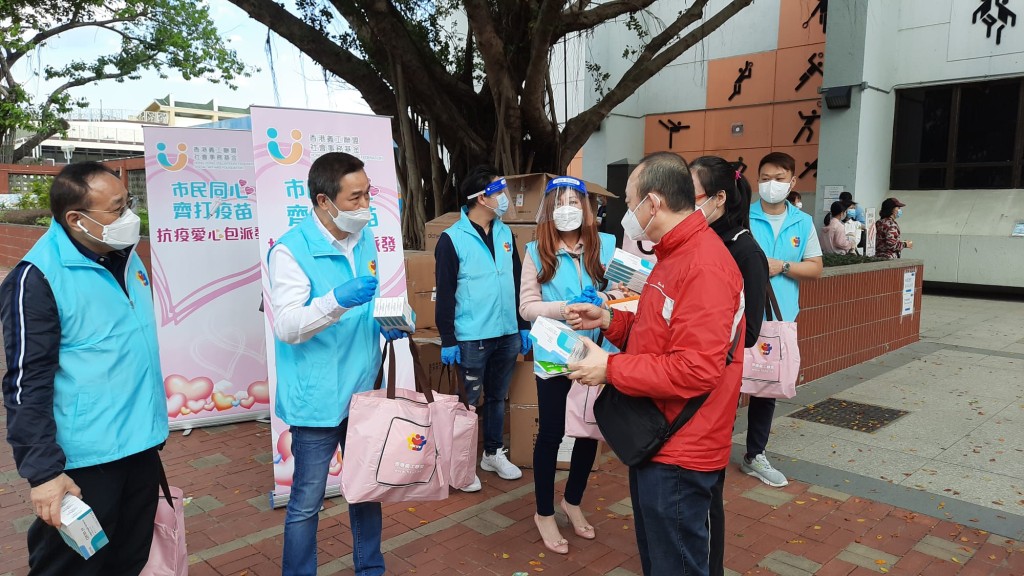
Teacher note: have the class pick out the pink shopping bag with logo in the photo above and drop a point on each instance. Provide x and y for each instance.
(168, 555)
(462, 470)
(772, 366)
(579, 412)
(396, 449)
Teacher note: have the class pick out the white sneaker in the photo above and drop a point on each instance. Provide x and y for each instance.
(499, 463)
(761, 469)
(474, 487)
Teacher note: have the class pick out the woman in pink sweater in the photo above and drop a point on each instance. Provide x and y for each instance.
(833, 236)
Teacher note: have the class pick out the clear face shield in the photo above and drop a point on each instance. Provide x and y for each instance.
(564, 204)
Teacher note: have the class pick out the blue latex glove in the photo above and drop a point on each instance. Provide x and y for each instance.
(394, 333)
(589, 296)
(356, 292)
(524, 341)
(451, 355)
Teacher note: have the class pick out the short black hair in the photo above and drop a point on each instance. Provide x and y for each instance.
(327, 171)
(71, 186)
(476, 180)
(780, 159)
(667, 174)
(714, 174)
(846, 196)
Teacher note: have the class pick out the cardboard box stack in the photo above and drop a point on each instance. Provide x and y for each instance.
(419, 280)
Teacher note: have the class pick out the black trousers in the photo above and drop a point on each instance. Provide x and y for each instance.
(123, 494)
(551, 395)
(759, 424)
(716, 528)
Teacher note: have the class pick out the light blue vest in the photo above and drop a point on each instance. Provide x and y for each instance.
(485, 296)
(567, 283)
(790, 246)
(317, 378)
(108, 392)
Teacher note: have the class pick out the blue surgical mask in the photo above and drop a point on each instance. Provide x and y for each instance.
(851, 213)
(502, 205)
(899, 212)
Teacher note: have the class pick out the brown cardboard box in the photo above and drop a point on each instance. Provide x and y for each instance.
(522, 389)
(428, 344)
(423, 304)
(436, 227)
(523, 234)
(419, 271)
(523, 436)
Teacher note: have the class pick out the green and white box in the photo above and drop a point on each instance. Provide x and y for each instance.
(628, 269)
(559, 339)
(79, 527)
(393, 313)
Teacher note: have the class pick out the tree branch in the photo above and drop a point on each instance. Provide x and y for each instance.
(45, 35)
(579, 129)
(534, 89)
(579, 20)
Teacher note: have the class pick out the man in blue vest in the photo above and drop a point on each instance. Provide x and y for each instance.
(477, 275)
(787, 236)
(323, 280)
(85, 401)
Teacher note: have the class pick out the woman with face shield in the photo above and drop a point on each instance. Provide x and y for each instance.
(564, 265)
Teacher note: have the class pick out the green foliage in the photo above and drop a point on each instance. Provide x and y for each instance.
(159, 35)
(38, 195)
(828, 260)
(44, 221)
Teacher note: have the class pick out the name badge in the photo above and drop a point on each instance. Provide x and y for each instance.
(666, 310)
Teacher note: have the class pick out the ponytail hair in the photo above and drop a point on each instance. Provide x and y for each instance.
(717, 174)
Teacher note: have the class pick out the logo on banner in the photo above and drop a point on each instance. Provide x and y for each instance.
(142, 278)
(294, 149)
(180, 162)
(417, 442)
(765, 348)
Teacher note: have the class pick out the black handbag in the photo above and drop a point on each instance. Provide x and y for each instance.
(634, 427)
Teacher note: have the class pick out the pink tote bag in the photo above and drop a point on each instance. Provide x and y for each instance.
(462, 470)
(396, 449)
(772, 366)
(168, 555)
(579, 412)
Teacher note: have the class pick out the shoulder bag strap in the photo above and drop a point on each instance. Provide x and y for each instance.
(771, 304)
(692, 405)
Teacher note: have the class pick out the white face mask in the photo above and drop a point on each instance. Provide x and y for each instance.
(120, 233)
(631, 225)
(352, 221)
(568, 218)
(773, 191)
(800, 205)
(701, 208)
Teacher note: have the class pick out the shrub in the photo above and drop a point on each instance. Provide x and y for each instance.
(27, 217)
(37, 197)
(828, 260)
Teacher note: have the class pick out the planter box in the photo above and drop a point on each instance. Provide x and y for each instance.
(17, 239)
(855, 313)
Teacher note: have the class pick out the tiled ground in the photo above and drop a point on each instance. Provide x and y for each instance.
(801, 529)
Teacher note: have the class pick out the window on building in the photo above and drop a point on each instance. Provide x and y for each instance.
(962, 136)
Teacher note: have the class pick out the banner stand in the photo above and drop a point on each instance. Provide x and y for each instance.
(217, 420)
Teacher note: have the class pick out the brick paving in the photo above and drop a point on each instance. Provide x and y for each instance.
(800, 529)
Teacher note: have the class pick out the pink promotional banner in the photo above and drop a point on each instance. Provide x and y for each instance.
(205, 273)
(285, 142)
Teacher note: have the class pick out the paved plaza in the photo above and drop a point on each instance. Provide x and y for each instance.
(938, 491)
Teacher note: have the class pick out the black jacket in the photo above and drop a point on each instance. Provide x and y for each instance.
(753, 267)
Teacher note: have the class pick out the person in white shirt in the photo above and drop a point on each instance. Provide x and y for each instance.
(323, 280)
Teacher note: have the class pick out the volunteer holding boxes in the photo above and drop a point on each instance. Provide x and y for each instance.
(564, 265)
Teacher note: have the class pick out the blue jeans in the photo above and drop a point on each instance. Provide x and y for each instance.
(670, 510)
(487, 369)
(313, 449)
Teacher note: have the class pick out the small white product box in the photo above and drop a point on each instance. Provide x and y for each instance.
(628, 269)
(393, 313)
(79, 527)
(559, 339)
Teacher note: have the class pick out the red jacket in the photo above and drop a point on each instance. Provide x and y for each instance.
(686, 320)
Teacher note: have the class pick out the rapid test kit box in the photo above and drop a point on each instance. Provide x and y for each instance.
(80, 528)
(559, 339)
(629, 269)
(393, 313)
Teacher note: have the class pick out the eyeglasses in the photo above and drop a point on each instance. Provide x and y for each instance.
(129, 205)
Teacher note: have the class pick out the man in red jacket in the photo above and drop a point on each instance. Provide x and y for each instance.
(674, 349)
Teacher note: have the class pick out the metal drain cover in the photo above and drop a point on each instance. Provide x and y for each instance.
(848, 414)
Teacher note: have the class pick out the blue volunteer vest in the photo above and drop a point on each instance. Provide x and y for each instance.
(790, 246)
(108, 392)
(567, 283)
(317, 378)
(485, 296)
